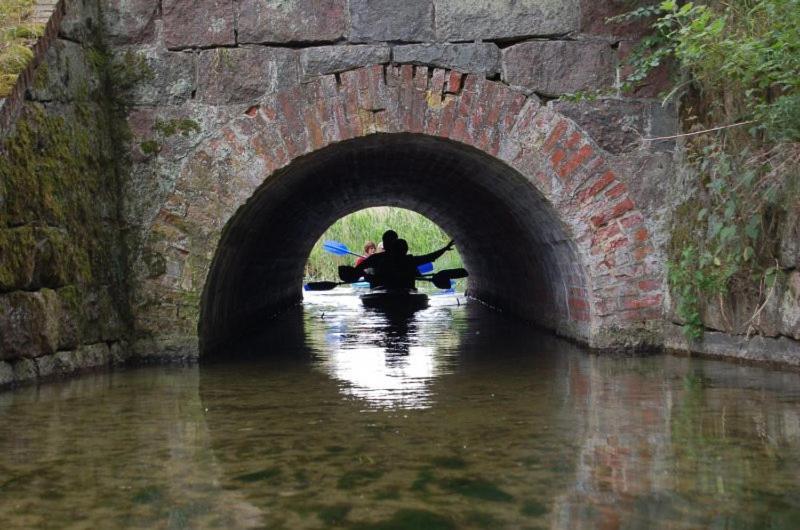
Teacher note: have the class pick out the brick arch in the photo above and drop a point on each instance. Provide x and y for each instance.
(621, 290)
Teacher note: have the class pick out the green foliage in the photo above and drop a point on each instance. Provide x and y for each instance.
(354, 230)
(747, 50)
(17, 36)
(740, 65)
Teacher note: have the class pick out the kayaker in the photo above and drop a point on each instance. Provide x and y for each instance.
(369, 250)
(395, 268)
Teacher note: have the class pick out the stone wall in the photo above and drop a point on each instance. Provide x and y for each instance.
(63, 300)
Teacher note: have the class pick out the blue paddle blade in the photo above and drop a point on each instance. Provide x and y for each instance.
(425, 268)
(334, 247)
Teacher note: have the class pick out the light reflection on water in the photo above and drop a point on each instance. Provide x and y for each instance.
(386, 359)
(456, 418)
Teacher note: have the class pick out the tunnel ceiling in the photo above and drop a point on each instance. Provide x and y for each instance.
(513, 243)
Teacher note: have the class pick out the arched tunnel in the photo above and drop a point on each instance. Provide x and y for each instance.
(520, 257)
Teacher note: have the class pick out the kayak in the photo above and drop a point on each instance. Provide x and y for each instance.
(395, 299)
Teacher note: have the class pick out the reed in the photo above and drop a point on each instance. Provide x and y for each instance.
(354, 230)
(18, 33)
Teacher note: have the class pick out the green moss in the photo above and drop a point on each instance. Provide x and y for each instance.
(475, 488)
(18, 34)
(358, 478)
(410, 520)
(450, 462)
(184, 126)
(150, 147)
(148, 495)
(533, 508)
(424, 478)
(334, 515)
(388, 494)
(19, 255)
(269, 474)
(482, 520)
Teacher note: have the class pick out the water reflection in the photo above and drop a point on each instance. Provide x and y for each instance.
(389, 359)
(470, 421)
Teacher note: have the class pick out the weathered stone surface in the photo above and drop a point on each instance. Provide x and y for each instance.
(172, 80)
(763, 349)
(467, 20)
(198, 23)
(390, 20)
(103, 321)
(478, 58)
(559, 67)
(331, 59)
(129, 20)
(6, 374)
(244, 74)
(594, 16)
(28, 324)
(119, 353)
(790, 241)
(25, 370)
(72, 319)
(790, 307)
(271, 21)
(67, 75)
(18, 258)
(618, 125)
(81, 20)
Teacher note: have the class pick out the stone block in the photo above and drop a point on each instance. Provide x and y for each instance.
(119, 353)
(6, 374)
(595, 15)
(324, 60)
(72, 318)
(790, 307)
(28, 323)
(102, 319)
(81, 20)
(279, 21)
(17, 258)
(390, 20)
(198, 23)
(559, 67)
(129, 21)
(467, 20)
(618, 125)
(25, 370)
(66, 74)
(471, 58)
(244, 74)
(172, 78)
(93, 356)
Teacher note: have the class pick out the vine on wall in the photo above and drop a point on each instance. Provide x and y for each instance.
(739, 84)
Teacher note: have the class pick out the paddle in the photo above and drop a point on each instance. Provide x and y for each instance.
(338, 248)
(321, 286)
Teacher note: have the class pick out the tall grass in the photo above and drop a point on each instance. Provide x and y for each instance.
(354, 230)
(18, 33)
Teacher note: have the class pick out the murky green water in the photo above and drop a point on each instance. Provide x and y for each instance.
(457, 418)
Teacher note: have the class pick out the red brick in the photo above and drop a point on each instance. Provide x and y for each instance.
(640, 303)
(599, 185)
(575, 160)
(617, 190)
(632, 220)
(649, 285)
(641, 235)
(557, 157)
(574, 140)
(619, 209)
(555, 135)
(252, 111)
(454, 82)
(578, 303)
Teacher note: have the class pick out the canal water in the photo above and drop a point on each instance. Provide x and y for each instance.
(454, 418)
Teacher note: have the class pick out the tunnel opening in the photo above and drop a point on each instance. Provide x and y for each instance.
(520, 255)
(349, 235)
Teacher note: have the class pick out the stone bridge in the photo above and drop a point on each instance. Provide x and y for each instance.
(238, 131)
